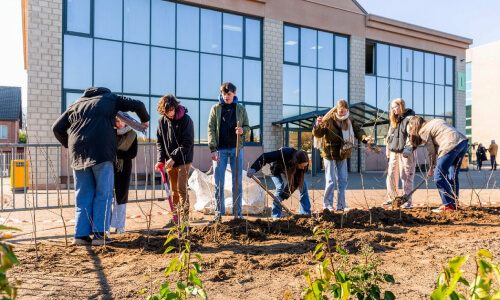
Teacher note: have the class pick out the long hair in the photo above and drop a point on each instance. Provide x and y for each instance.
(167, 103)
(294, 175)
(330, 119)
(416, 123)
(392, 115)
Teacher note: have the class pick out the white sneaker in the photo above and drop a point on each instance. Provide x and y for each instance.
(387, 203)
(120, 231)
(329, 208)
(276, 218)
(407, 205)
(345, 209)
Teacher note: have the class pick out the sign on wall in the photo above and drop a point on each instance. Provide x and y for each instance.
(461, 81)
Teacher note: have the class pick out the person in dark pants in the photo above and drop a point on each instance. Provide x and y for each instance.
(127, 150)
(446, 147)
(480, 156)
(288, 167)
(493, 150)
(86, 128)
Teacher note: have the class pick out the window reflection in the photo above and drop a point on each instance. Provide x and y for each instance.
(232, 30)
(383, 93)
(429, 68)
(341, 86)
(325, 50)
(193, 111)
(162, 65)
(439, 100)
(325, 88)
(341, 61)
(211, 31)
(78, 16)
(395, 64)
(232, 70)
(210, 76)
(108, 19)
(429, 99)
(449, 71)
(252, 38)
(71, 97)
(163, 23)
(371, 90)
(395, 89)
(382, 60)
(136, 25)
(77, 62)
(407, 64)
(187, 27)
(205, 106)
(107, 57)
(407, 93)
(136, 69)
(448, 99)
(308, 47)
(252, 77)
(291, 41)
(439, 69)
(253, 111)
(307, 86)
(418, 98)
(291, 81)
(187, 82)
(418, 66)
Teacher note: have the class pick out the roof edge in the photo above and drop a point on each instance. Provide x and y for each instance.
(360, 7)
(396, 23)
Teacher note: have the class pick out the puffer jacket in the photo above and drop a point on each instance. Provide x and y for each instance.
(397, 138)
(332, 139)
(91, 137)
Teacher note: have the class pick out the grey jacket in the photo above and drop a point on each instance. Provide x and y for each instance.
(439, 138)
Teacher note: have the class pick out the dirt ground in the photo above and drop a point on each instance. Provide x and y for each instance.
(258, 258)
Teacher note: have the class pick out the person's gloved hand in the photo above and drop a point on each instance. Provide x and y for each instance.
(407, 151)
(250, 173)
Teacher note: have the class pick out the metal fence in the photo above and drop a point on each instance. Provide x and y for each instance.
(50, 177)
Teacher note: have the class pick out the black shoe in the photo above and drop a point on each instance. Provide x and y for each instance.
(216, 219)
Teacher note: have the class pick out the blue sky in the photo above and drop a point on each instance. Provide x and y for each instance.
(478, 20)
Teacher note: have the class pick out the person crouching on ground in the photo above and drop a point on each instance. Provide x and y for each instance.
(446, 148)
(174, 145)
(127, 150)
(289, 167)
(222, 136)
(337, 130)
(397, 140)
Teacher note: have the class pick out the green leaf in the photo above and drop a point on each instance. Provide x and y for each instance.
(319, 232)
(340, 276)
(197, 267)
(318, 247)
(389, 296)
(485, 268)
(168, 240)
(198, 256)
(345, 291)
(172, 296)
(183, 226)
(375, 292)
(202, 294)
(181, 286)
(439, 293)
(327, 234)
(143, 291)
(319, 255)
(496, 296)
(325, 263)
(169, 248)
(188, 247)
(456, 262)
(164, 290)
(389, 278)
(485, 253)
(453, 282)
(496, 270)
(454, 296)
(317, 288)
(464, 281)
(172, 266)
(194, 279)
(308, 277)
(3, 227)
(341, 251)
(327, 274)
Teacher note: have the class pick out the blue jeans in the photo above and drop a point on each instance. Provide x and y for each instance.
(94, 194)
(219, 176)
(305, 204)
(493, 159)
(335, 179)
(446, 173)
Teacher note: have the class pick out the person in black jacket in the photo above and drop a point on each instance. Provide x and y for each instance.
(289, 167)
(86, 129)
(400, 156)
(127, 150)
(480, 156)
(174, 144)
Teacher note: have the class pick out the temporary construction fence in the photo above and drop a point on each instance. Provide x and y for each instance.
(253, 197)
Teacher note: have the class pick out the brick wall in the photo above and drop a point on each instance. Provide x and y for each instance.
(12, 132)
(272, 84)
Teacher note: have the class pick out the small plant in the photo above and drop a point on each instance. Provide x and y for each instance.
(452, 283)
(336, 275)
(8, 259)
(188, 283)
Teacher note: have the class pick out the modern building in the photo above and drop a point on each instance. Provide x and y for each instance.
(483, 100)
(288, 58)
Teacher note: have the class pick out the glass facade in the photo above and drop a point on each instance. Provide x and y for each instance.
(315, 70)
(424, 80)
(145, 49)
(468, 100)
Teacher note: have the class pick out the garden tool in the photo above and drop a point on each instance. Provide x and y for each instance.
(400, 200)
(237, 175)
(275, 200)
(169, 195)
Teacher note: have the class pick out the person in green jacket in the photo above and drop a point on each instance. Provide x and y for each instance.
(337, 131)
(222, 138)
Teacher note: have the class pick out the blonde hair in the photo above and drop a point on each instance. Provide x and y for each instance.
(330, 118)
(392, 115)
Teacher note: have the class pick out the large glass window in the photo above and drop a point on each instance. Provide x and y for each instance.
(316, 76)
(147, 49)
(426, 83)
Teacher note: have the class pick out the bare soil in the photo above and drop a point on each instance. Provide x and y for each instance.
(261, 259)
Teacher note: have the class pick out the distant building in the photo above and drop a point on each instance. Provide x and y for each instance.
(482, 96)
(11, 115)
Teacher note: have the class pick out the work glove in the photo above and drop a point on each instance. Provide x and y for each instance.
(407, 151)
(250, 173)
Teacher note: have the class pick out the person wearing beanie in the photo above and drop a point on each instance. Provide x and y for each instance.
(288, 168)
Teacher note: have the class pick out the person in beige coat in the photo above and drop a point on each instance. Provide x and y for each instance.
(446, 148)
(493, 150)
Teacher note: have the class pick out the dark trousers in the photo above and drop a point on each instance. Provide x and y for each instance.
(493, 162)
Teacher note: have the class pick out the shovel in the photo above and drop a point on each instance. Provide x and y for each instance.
(169, 195)
(236, 187)
(275, 200)
(400, 200)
